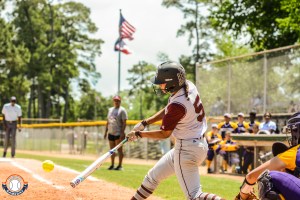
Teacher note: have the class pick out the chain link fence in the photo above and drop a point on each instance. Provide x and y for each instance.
(85, 140)
(263, 81)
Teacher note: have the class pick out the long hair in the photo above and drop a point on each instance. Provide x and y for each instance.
(186, 91)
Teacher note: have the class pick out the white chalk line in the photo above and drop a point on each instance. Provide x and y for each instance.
(36, 176)
(41, 179)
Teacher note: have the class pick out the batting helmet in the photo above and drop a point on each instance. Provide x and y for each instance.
(171, 73)
(293, 127)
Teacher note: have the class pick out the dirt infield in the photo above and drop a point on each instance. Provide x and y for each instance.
(55, 185)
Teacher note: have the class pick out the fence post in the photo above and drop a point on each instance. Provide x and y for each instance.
(229, 88)
(265, 82)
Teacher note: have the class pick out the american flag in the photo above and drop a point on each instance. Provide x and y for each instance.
(126, 29)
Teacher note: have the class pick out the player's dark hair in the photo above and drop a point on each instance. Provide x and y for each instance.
(186, 91)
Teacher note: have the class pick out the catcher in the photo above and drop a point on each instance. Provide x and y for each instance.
(278, 178)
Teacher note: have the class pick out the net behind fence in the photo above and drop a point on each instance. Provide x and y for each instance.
(263, 81)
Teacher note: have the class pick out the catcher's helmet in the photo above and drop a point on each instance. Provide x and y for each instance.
(293, 127)
(171, 73)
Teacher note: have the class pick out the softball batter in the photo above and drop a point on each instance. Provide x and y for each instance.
(184, 117)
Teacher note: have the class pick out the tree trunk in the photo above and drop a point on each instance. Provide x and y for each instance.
(30, 99)
(66, 97)
(41, 103)
(48, 107)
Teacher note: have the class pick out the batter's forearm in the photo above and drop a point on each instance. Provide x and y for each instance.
(158, 116)
(157, 134)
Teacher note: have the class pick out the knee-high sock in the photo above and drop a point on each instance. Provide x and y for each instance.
(142, 193)
(208, 196)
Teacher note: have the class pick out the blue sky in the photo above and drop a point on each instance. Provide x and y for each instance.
(156, 32)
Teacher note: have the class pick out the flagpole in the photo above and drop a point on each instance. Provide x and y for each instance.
(119, 62)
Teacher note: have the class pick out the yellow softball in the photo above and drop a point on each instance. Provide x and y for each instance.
(48, 165)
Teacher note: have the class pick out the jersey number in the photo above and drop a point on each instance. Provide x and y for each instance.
(199, 109)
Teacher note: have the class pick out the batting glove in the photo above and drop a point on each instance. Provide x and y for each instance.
(140, 126)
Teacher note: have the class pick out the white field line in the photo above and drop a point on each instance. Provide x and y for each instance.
(5, 160)
(38, 177)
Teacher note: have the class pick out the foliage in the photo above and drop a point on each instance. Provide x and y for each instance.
(13, 60)
(270, 24)
(290, 23)
(92, 106)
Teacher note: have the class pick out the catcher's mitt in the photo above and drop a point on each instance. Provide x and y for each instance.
(251, 196)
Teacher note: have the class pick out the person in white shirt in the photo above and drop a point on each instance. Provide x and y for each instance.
(12, 114)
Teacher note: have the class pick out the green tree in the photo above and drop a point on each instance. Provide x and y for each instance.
(270, 24)
(291, 22)
(93, 106)
(13, 60)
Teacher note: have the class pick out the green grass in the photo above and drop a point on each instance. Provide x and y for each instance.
(132, 176)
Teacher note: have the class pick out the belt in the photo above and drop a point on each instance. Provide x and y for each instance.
(199, 138)
(11, 121)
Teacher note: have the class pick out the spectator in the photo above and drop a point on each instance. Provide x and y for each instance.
(227, 125)
(242, 125)
(226, 147)
(252, 116)
(255, 128)
(242, 128)
(213, 138)
(115, 128)
(248, 156)
(11, 114)
(83, 141)
(268, 125)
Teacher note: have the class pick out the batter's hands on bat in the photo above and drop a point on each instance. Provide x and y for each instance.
(132, 136)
